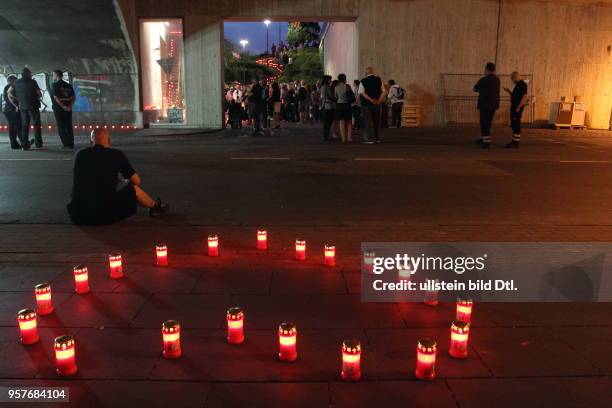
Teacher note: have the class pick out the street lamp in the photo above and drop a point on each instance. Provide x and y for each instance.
(267, 23)
(244, 42)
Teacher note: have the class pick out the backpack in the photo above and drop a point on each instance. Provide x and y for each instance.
(350, 95)
(401, 93)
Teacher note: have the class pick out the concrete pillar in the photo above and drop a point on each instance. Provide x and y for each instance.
(204, 70)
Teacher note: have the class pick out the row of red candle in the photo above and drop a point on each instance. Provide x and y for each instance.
(122, 127)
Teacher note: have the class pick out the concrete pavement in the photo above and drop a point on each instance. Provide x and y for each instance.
(420, 185)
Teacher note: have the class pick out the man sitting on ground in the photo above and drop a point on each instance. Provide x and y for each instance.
(98, 195)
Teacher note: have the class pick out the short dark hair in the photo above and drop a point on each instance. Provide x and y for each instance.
(490, 67)
(391, 82)
(26, 72)
(11, 79)
(59, 72)
(342, 78)
(356, 82)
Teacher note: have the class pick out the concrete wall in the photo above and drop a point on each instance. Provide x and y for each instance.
(340, 51)
(565, 44)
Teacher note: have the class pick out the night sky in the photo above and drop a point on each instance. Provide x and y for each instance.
(255, 33)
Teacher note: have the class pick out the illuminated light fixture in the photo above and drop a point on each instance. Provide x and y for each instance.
(81, 279)
(267, 22)
(44, 303)
(431, 294)
(262, 240)
(464, 310)
(287, 339)
(213, 245)
(351, 360)
(244, 43)
(460, 332)
(171, 336)
(49, 127)
(235, 325)
(115, 264)
(330, 255)
(65, 356)
(426, 359)
(368, 261)
(300, 249)
(28, 330)
(161, 252)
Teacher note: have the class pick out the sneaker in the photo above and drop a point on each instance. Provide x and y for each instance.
(160, 208)
(368, 142)
(483, 145)
(512, 145)
(378, 141)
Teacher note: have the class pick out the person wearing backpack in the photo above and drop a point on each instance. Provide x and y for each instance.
(396, 99)
(344, 99)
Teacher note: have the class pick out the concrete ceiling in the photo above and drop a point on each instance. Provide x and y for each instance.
(82, 36)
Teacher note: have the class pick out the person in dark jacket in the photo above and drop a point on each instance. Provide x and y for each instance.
(27, 94)
(11, 113)
(488, 88)
(63, 99)
(518, 100)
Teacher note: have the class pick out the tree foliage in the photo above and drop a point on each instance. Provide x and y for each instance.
(307, 65)
(305, 34)
(243, 68)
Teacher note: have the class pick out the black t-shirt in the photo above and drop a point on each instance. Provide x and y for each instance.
(488, 92)
(7, 106)
(276, 95)
(256, 94)
(302, 94)
(94, 188)
(291, 96)
(63, 90)
(373, 87)
(26, 91)
(520, 90)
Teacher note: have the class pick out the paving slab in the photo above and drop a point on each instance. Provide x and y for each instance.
(592, 343)
(19, 277)
(347, 311)
(95, 310)
(528, 352)
(147, 279)
(144, 394)
(313, 280)
(191, 310)
(13, 302)
(266, 395)
(393, 355)
(207, 356)
(234, 281)
(391, 394)
(124, 353)
(564, 392)
(267, 312)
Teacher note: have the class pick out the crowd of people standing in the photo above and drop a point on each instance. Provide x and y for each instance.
(341, 106)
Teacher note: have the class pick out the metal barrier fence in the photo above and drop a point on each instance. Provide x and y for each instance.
(101, 99)
(459, 99)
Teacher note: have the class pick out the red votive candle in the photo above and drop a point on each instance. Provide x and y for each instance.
(161, 252)
(262, 240)
(213, 245)
(351, 360)
(459, 339)
(65, 358)
(330, 255)
(426, 359)
(300, 249)
(431, 294)
(116, 266)
(81, 279)
(235, 325)
(28, 330)
(368, 261)
(44, 304)
(171, 335)
(464, 310)
(287, 339)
